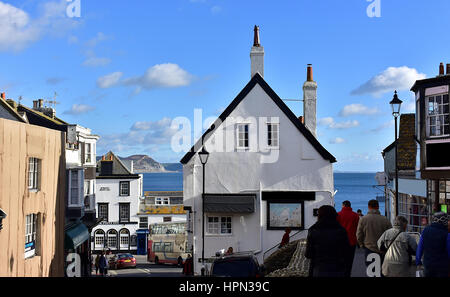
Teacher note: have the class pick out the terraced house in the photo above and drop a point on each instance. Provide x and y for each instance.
(32, 183)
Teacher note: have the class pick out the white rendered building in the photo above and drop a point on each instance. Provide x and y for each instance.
(118, 193)
(266, 171)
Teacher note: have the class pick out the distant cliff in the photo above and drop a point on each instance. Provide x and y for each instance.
(145, 164)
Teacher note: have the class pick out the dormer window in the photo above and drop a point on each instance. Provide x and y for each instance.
(438, 115)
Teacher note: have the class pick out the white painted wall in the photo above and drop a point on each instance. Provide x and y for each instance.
(299, 168)
(112, 197)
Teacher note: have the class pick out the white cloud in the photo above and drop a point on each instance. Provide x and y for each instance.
(97, 39)
(330, 123)
(79, 109)
(337, 140)
(166, 75)
(158, 76)
(383, 126)
(18, 29)
(151, 125)
(109, 80)
(393, 78)
(216, 9)
(96, 62)
(357, 109)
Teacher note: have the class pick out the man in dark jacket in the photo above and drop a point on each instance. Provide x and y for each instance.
(327, 245)
(433, 247)
(349, 220)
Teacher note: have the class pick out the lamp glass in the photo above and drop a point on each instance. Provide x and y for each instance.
(203, 156)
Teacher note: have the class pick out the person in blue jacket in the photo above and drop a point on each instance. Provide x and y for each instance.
(433, 246)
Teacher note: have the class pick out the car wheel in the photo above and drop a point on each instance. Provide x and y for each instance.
(156, 260)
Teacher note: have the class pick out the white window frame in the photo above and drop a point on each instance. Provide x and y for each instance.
(99, 235)
(30, 235)
(216, 228)
(112, 235)
(100, 214)
(143, 220)
(240, 133)
(275, 142)
(128, 218)
(428, 116)
(162, 201)
(88, 152)
(34, 173)
(124, 239)
(120, 188)
(72, 187)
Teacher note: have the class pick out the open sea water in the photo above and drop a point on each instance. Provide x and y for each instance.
(358, 188)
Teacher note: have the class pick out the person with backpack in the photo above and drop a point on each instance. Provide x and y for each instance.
(399, 246)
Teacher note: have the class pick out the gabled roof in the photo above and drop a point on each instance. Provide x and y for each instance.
(118, 169)
(257, 79)
(11, 110)
(54, 120)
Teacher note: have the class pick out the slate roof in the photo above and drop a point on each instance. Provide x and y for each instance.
(118, 170)
(257, 79)
(11, 110)
(407, 147)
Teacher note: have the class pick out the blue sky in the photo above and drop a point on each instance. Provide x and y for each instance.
(125, 69)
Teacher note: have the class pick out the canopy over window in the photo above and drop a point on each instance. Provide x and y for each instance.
(230, 203)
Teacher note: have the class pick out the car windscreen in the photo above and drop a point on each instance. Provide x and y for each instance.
(234, 268)
(125, 256)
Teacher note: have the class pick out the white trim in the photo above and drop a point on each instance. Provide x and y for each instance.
(437, 140)
(437, 168)
(436, 90)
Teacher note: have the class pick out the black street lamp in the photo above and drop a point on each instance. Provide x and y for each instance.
(204, 155)
(396, 104)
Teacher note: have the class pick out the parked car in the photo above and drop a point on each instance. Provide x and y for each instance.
(237, 265)
(122, 261)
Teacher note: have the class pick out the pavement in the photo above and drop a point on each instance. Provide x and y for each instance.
(145, 269)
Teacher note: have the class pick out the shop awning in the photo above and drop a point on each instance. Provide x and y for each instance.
(75, 236)
(230, 203)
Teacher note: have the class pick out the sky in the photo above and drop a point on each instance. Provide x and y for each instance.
(126, 69)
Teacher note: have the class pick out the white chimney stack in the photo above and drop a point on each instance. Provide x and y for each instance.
(310, 101)
(257, 55)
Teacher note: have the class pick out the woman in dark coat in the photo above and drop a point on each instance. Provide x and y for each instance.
(327, 245)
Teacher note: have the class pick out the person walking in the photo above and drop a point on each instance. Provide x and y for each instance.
(327, 245)
(97, 259)
(187, 268)
(359, 212)
(433, 247)
(103, 264)
(285, 239)
(399, 248)
(229, 251)
(370, 228)
(349, 220)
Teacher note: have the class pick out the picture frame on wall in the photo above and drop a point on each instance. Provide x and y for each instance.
(281, 215)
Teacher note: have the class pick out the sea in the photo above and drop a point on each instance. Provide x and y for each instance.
(358, 188)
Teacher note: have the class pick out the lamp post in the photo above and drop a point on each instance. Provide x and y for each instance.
(396, 104)
(204, 154)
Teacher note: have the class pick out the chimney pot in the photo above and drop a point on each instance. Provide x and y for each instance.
(309, 74)
(441, 69)
(41, 103)
(35, 104)
(448, 69)
(3, 96)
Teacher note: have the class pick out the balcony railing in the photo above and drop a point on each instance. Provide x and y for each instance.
(89, 202)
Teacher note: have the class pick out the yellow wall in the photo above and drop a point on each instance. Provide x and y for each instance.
(18, 141)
